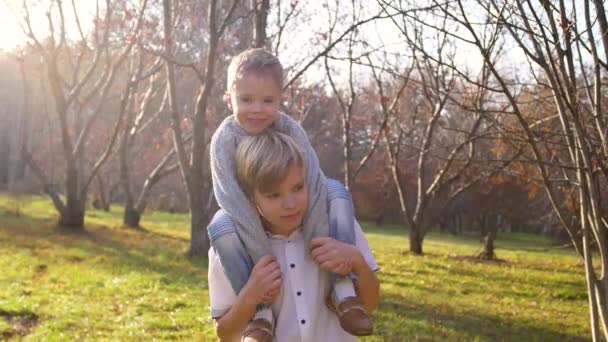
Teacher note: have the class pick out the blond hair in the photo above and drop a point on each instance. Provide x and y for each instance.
(262, 161)
(256, 61)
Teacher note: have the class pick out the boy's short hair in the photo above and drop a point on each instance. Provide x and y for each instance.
(257, 61)
(262, 161)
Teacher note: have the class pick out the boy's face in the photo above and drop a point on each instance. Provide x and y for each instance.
(283, 208)
(254, 100)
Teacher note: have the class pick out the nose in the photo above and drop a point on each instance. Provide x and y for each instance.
(289, 202)
(257, 106)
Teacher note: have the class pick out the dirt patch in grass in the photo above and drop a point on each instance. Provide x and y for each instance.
(22, 323)
(470, 258)
(475, 258)
(425, 254)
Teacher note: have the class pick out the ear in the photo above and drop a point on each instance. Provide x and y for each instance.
(228, 100)
(255, 205)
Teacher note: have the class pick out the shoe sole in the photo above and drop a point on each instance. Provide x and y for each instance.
(335, 311)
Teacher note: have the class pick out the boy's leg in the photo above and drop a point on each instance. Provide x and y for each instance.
(341, 212)
(234, 258)
(341, 228)
(230, 249)
(343, 298)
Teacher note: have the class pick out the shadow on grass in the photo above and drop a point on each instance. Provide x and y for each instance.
(134, 249)
(424, 322)
(10, 216)
(21, 322)
(506, 241)
(159, 234)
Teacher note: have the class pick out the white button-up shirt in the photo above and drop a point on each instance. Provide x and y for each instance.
(300, 312)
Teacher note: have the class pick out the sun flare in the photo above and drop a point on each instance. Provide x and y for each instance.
(12, 35)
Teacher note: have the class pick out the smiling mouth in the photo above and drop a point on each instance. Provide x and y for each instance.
(256, 119)
(292, 216)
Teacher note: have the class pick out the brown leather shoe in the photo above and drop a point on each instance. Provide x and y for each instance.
(352, 315)
(258, 330)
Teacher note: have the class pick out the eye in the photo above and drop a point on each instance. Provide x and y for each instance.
(273, 195)
(269, 101)
(299, 188)
(245, 99)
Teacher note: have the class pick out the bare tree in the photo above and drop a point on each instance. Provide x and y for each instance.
(346, 105)
(564, 56)
(135, 123)
(192, 166)
(439, 155)
(260, 22)
(82, 90)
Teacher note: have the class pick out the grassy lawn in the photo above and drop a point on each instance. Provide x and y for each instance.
(112, 283)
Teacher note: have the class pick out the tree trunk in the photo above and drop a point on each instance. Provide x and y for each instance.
(72, 218)
(22, 141)
(131, 217)
(416, 238)
(260, 8)
(488, 248)
(380, 216)
(481, 220)
(601, 286)
(4, 156)
(199, 241)
(100, 200)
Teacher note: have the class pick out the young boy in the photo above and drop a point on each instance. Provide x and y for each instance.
(271, 170)
(254, 90)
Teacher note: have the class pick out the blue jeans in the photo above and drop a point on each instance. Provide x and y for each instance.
(238, 264)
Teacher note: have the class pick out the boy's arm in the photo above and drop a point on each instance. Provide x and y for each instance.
(230, 326)
(339, 257)
(227, 191)
(229, 194)
(367, 285)
(232, 312)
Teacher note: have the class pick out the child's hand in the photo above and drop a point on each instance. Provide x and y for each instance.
(264, 283)
(335, 256)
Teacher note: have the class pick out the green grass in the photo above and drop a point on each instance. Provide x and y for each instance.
(113, 283)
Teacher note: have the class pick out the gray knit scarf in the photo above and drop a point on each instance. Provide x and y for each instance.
(231, 198)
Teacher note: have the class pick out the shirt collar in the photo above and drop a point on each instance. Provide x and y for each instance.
(293, 236)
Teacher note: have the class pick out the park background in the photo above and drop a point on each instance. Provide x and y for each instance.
(471, 133)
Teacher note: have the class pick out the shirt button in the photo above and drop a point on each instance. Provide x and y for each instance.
(293, 265)
(303, 321)
(299, 293)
